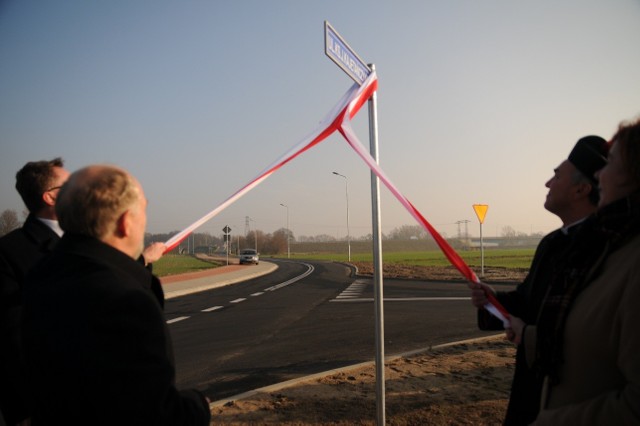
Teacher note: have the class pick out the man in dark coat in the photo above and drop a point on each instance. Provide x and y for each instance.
(572, 196)
(38, 184)
(95, 337)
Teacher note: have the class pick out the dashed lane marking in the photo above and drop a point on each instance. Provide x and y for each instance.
(177, 319)
(309, 270)
(402, 299)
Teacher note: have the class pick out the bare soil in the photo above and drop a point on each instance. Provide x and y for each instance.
(443, 273)
(462, 384)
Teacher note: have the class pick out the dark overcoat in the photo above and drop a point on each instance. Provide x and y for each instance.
(20, 250)
(524, 303)
(97, 343)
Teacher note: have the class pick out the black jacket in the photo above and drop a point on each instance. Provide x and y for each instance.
(97, 343)
(525, 303)
(20, 250)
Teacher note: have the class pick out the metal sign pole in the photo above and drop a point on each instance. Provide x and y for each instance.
(227, 240)
(337, 49)
(481, 252)
(481, 212)
(377, 261)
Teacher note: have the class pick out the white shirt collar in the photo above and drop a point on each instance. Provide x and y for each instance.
(53, 224)
(565, 229)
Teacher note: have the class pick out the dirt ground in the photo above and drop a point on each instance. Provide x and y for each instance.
(445, 273)
(462, 384)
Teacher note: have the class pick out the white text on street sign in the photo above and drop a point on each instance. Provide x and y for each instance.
(341, 53)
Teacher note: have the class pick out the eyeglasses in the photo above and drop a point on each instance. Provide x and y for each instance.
(53, 188)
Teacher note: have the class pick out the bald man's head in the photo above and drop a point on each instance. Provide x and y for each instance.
(95, 200)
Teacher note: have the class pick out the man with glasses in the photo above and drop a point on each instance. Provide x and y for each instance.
(38, 183)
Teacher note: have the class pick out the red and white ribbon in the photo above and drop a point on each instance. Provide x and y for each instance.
(340, 119)
(356, 97)
(347, 131)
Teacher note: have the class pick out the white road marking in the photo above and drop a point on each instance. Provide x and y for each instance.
(177, 319)
(309, 270)
(403, 299)
(354, 290)
(292, 280)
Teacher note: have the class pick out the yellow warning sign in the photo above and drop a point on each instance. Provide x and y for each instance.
(481, 211)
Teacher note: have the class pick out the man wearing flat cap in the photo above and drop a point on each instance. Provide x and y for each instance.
(573, 196)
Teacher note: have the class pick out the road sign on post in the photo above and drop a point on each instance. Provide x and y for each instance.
(337, 49)
(481, 212)
(343, 55)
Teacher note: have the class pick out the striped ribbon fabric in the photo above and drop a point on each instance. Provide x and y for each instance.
(339, 119)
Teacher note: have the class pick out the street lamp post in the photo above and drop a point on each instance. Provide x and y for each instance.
(346, 187)
(288, 232)
(255, 234)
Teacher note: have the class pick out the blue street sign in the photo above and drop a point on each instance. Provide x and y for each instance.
(341, 53)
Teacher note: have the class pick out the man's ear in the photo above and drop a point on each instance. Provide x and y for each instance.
(49, 198)
(583, 189)
(123, 224)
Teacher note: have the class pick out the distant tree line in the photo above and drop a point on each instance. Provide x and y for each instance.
(404, 232)
(199, 242)
(267, 243)
(270, 243)
(9, 221)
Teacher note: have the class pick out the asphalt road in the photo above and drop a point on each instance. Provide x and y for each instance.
(302, 319)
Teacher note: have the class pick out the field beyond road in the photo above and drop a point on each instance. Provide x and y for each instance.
(502, 258)
(503, 265)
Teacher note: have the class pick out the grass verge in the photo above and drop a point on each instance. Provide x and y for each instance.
(504, 258)
(173, 264)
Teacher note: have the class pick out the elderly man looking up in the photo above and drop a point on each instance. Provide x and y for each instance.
(572, 196)
(95, 337)
(586, 342)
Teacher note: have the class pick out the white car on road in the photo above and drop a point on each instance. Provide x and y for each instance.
(249, 256)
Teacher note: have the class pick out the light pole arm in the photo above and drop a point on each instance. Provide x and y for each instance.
(346, 190)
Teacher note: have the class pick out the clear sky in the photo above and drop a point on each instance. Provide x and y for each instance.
(478, 101)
